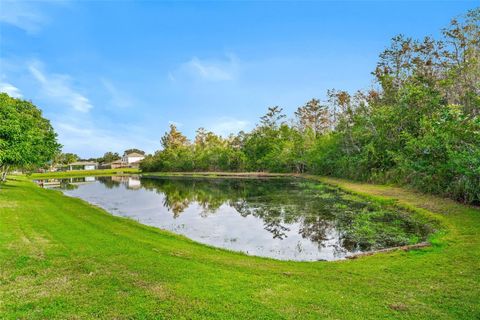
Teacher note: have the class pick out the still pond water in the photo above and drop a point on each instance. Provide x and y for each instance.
(281, 218)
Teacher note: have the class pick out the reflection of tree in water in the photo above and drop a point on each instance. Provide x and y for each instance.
(315, 228)
(72, 183)
(110, 182)
(278, 202)
(273, 216)
(180, 193)
(174, 199)
(294, 202)
(67, 185)
(320, 211)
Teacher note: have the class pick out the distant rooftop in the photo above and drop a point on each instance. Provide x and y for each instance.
(82, 163)
(135, 154)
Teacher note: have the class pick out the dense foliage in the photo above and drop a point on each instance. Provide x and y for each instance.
(27, 140)
(419, 127)
(109, 157)
(65, 158)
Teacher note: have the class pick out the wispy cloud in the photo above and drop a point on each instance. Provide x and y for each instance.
(226, 126)
(118, 98)
(10, 89)
(208, 70)
(30, 16)
(23, 15)
(83, 136)
(89, 140)
(81, 128)
(59, 87)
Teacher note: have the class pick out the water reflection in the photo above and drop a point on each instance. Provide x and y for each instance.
(277, 202)
(279, 218)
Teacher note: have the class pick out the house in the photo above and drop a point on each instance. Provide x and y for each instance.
(82, 165)
(132, 159)
(113, 165)
(117, 164)
(129, 160)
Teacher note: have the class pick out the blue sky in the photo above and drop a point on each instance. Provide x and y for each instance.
(114, 75)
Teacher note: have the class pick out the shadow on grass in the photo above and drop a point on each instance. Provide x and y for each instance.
(3, 186)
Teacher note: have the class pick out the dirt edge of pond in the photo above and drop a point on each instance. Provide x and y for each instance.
(385, 250)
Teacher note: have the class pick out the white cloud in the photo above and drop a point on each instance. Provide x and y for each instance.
(58, 87)
(118, 98)
(86, 139)
(81, 129)
(208, 70)
(10, 89)
(23, 15)
(30, 16)
(226, 126)
(82, 135)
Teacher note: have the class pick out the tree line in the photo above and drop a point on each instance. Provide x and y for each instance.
(108, 157)
(419, 126)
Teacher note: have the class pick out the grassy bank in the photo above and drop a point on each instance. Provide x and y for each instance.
(82, 173)
(63, 258)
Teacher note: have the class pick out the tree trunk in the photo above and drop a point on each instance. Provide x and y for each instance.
(4, 171)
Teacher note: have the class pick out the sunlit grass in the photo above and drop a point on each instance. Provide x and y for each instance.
(63, 258)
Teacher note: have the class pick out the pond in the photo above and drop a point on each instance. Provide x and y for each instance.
(281, 218)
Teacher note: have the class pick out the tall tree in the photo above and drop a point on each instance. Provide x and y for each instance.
(112, 156)
(313, 116)
(66, 158)
(174, 139)
(462, 37)
(273, 118)
(201, 138)
(27, 140)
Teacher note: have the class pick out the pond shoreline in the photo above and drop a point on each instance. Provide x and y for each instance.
(284, 218)
(385, 250)
(159, 270)
(313, 178)
(82, 173)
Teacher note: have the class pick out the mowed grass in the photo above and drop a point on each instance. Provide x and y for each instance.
(83, 173)
(63, 258)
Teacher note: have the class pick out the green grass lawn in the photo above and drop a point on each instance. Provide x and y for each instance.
(82, 173)
(63, 258)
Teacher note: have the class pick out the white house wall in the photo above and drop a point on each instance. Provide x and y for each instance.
(134, 159)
